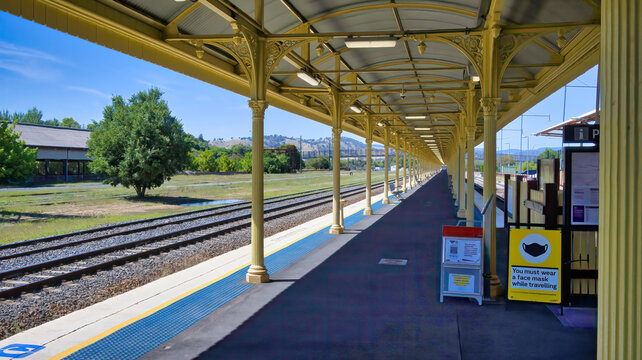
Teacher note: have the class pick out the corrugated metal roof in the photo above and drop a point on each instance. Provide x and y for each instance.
(51, 136)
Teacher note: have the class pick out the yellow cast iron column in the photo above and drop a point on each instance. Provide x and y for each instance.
(405, 184)
(409, 171)
(386, 168)
(336, 227)
(470, 176)
(257, 273)
(490, 106)
(368, 209)
(397, 151)
(619, 290)
(460, 179)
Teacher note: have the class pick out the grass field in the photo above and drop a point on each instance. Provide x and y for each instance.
(27, 213)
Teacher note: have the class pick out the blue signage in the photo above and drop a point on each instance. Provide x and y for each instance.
(18, 351)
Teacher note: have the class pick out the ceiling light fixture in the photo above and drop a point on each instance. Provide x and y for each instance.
(426, 135)
(379, 124)
(432, 97)
(421, 47)
(319, 49)
(402, 94)
(415, 117)
(308, 78)
(355, 108)
(356, 43)
(476, 78)
(420, 128)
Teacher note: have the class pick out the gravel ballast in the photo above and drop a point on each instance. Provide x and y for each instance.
(33, 309)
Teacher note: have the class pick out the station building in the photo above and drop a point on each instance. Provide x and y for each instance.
(62, 152)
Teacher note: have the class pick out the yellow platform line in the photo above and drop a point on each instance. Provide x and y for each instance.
(115, 328)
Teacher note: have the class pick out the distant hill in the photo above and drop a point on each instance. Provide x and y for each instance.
(274, 141)
(531, 154)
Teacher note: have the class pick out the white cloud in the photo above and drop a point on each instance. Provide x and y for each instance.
(90, 91)
(30, 63)
(11, 50)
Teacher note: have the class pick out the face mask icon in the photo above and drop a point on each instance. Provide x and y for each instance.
(534, 249)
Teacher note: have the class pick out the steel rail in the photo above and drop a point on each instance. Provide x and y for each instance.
(110, 263)
(136, 222)
(214, 212)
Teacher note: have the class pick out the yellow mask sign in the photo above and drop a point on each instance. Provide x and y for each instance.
(534, 265)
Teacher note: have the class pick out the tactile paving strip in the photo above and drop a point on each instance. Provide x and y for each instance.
(141, 336)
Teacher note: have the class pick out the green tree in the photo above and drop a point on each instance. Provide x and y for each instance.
(240, 150)
(245, 164)
(93, 125)
(17, 162)
(33, 116)
(274, 163)
(321, 162)
(138, 143)
(51, 122)
(197, 143)
(224, 164)
(549, 154)
(205, 161)
(70, 123)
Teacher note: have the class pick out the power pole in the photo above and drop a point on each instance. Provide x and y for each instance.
(300, 153)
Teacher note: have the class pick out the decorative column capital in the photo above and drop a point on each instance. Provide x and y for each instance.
(470, 133)
(490, 105)
(336, 131)
(258, 106)
(369, 142)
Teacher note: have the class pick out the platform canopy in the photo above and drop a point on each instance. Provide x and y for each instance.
(434, 64)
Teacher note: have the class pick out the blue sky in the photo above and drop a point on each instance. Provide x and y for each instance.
(66, 76)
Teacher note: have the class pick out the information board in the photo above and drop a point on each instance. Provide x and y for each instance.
(534, 265)
(585, 188)
(462, 262)
(509, 200)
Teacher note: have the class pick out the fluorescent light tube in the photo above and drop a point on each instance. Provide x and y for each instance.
(476, 78)
(420, 128)
(371, 43)
(415, 117)
(308, 78)
(427, 135)
(355, 108)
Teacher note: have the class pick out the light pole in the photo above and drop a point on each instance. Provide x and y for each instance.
(528, 145)
(507, 158)
(522, 129)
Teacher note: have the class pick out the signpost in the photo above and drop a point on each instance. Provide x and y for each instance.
(462, 263)
(534, 265)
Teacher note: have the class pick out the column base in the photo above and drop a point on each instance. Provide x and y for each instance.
(257, 275)
(336, 229)
(385, 201)
(367, 211)
(496, 289)
(461, 214)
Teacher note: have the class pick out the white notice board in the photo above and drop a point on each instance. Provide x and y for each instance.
(462, 263)
(585, 188)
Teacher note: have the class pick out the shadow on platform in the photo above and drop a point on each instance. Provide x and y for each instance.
(350, 307)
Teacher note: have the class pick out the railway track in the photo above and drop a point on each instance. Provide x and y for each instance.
(36, 275)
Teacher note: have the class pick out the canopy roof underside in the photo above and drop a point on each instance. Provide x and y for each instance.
(433, 81)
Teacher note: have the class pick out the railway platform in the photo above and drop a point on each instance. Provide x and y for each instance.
(328, 298)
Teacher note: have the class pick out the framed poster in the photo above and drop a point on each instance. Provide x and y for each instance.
(585, 188)
(581, 188)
